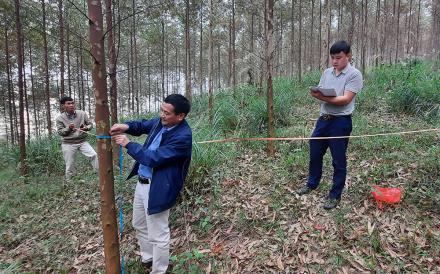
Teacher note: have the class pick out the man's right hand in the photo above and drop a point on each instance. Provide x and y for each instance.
(72, 126)
(118, 129)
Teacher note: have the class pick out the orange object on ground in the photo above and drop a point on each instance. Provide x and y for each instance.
(388, 195)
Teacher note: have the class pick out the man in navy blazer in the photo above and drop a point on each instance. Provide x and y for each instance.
(162, 164)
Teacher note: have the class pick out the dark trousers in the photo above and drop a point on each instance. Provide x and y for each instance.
(337, 126)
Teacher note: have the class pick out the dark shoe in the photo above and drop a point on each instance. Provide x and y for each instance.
(147, 266)
(304, 190)
(331, 203)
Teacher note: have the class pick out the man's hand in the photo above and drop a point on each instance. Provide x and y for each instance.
(317, 94)
(121, 139)
(118, 129)
(84, 128)
(72, 126)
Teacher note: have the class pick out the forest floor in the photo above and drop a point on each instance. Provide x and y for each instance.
(248, 219)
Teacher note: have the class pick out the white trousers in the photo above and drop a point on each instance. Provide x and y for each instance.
(152, 231)
(69, 151)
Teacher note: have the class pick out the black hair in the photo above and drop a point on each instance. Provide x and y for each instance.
(340, 46)
(65, 99)
(179, 102)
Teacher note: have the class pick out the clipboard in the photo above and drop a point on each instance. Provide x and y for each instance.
(329, 92)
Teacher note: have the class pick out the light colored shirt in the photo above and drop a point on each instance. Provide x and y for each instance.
(349, 79)
(146, 171)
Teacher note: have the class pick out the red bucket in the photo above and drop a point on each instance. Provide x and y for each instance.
(388, 195)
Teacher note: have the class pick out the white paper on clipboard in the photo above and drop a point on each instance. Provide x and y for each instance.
(330, 92)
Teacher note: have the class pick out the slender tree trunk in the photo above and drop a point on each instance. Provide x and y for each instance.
(108, 213)
(28, 123)
(135, 62)
(397, 32)
(409, 30)
(61, 24)
(46, 71)
(69, 75)
(36, 124)
(81, 75)
(312, 42)
(417, 44)
(269, 63)
(22, 137)
(300, 42)
(352, 16)
(201, 50)
(364, 36)
(234, 73)
(162, 59)
(211, 63)
(11, 102)
(292, 42)
(326, 31)
(112, 73)
(188, 92)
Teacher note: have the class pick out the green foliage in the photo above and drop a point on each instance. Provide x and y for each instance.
(44, 155)
(411, 88)
(188, 262)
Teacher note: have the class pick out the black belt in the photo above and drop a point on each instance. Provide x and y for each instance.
(327, 117)
(143, 180)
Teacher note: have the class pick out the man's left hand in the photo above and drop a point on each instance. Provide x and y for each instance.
(84, 128)
(121, 139)
(316, 94)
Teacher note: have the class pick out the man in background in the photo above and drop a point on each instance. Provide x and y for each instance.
(72, 126)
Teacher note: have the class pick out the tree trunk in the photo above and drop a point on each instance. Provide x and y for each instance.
(188, 92)
(269, 63)
(397, 32)
(108, 213)
(312, 42)
(69, 75)
(408, 30)
(300, 42)
(292, 42)
(36, 124)
(46, 72)
(201, 50)
(22, 137)
(61, 24)
(211, 64)
(112, 73)
(234, 73)
(364, 36)
(162, 59)
(11, 102)
(28, 123)
(417, 44)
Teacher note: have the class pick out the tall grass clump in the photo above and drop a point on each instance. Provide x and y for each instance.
(412, 87)
(44, 155)
(419, 91)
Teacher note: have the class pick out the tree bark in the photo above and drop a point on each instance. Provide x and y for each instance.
(22, 137)
(61, 24)
(269, 63)
(300, 41)
(211, 63)
(36, 123)
(188, 92)
(11, 102)
(108, 213)
(46, 71)
(112, 73)
(201, 50)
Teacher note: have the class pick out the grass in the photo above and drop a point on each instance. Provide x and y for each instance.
(238, 212)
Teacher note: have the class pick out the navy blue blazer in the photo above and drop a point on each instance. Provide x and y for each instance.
(170, 161)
